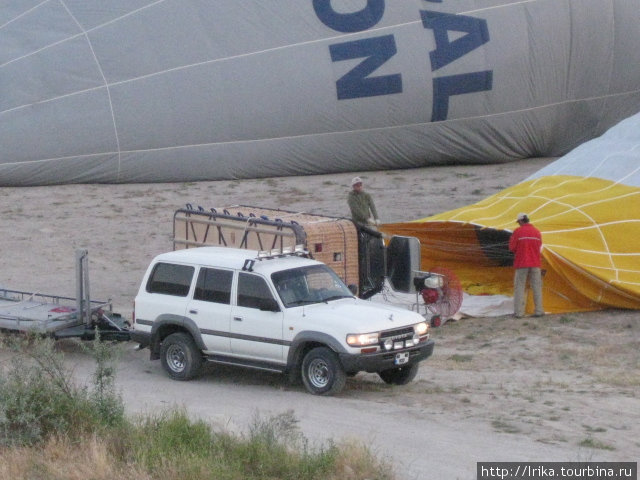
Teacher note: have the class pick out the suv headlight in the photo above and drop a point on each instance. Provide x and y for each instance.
(421, 328)
(362, 339)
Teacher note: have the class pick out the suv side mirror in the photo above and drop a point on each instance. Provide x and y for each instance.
(268, 305)
(353, 288)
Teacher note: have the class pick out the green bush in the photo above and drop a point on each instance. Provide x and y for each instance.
(169, 437)
(170, 445)
(38, 397)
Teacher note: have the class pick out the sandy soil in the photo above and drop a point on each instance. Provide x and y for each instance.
(563, 388)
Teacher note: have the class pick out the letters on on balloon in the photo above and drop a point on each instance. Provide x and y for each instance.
(360, 81)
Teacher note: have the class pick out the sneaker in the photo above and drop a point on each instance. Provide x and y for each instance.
(538, 315)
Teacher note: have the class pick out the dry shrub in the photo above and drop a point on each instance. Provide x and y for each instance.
(356, 462)
(63, 459)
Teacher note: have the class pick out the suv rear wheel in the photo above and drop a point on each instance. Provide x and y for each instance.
(322, 373)
(180, 356)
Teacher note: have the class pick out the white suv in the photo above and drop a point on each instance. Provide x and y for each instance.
(283, 313)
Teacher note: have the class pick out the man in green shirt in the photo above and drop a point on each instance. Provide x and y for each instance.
(363, 210)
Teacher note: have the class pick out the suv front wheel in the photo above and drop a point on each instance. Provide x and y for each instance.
(180, 356)
(322, 373)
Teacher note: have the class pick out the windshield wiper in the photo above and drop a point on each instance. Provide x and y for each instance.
(336, 297)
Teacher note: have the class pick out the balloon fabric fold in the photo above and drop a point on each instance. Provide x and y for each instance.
(587, 206)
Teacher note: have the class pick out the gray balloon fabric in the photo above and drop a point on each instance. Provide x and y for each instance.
(182, 90)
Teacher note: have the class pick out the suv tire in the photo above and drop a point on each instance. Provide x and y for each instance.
(400, 375)
(180, 356)
(322, 373)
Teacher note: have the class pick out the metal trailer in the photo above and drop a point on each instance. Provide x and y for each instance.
(62, 317)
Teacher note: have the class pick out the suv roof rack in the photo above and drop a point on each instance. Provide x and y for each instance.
(298, 250)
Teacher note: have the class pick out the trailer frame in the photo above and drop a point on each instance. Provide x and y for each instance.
(59, 316)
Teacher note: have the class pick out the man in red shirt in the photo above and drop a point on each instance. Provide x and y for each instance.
(526, 243)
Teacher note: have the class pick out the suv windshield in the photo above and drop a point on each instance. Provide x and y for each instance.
(311, 284)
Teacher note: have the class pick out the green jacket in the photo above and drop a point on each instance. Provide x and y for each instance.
(362, 207)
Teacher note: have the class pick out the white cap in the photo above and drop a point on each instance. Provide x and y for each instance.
(355, 180)
(521, 216)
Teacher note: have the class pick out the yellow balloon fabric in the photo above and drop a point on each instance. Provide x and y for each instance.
(591, 241)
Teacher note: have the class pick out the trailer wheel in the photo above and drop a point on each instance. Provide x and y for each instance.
(399, 376)
(180, 356)
(322, 373)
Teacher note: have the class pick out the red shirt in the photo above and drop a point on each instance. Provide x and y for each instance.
(525, 243)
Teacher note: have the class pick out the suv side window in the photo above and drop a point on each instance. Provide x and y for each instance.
(170, 279)
(214, 286)
(253, 291)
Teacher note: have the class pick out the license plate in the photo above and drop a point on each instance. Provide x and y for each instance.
(401, 358)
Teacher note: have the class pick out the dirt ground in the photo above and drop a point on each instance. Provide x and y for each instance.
(561, 388)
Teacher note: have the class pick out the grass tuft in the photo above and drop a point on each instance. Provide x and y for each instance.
(591, 442)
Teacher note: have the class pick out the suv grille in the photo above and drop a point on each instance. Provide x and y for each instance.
(400, 338)
(397, 334)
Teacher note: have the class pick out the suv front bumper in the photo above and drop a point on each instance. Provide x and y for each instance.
(385, 360)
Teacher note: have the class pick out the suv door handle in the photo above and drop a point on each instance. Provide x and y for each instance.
(237, 319)
(193, 311)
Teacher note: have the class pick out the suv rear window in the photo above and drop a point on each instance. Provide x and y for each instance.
(170, 279)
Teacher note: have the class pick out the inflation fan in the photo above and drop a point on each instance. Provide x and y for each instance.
(442, 297)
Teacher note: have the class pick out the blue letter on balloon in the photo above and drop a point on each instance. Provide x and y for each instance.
(356, 83)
